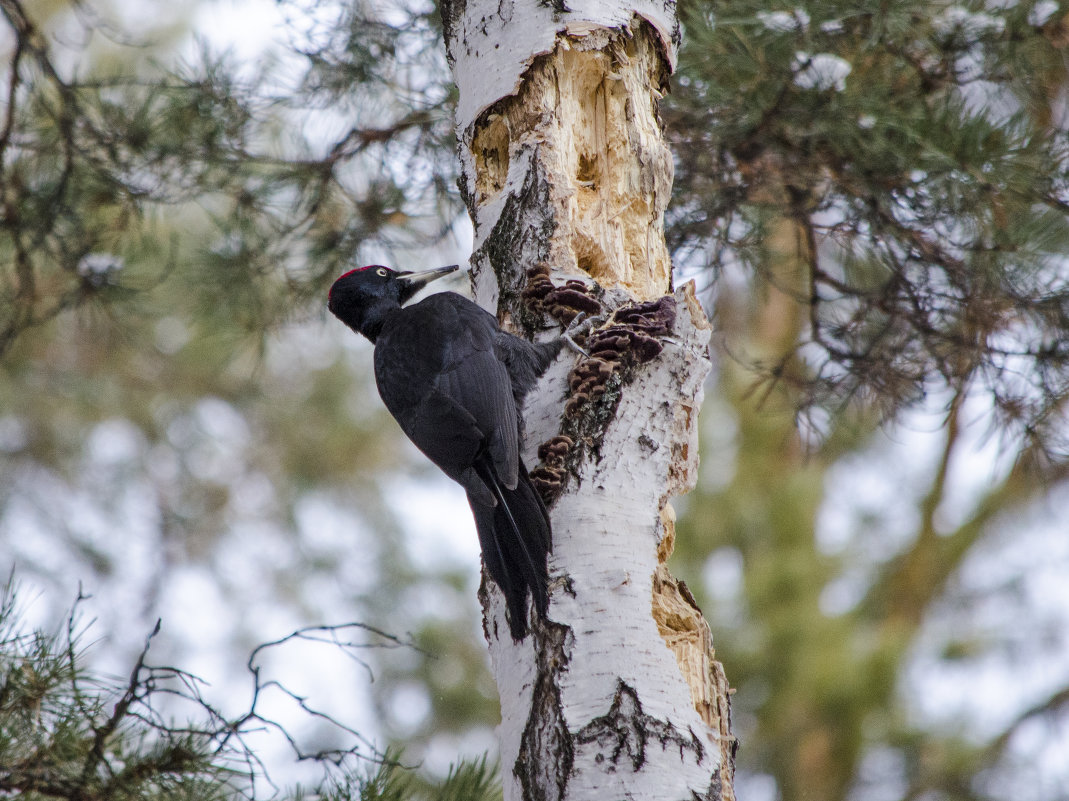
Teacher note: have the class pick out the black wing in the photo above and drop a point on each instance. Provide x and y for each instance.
(440, 377)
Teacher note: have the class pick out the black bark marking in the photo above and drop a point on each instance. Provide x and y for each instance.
(560, 7)
(452, 12)
(544, 763)
(625, 731)
(714, 793)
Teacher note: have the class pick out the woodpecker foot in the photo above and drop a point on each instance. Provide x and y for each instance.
(573, 345)
(580, 326)
(582, 323)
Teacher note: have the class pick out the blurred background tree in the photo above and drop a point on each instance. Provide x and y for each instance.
(873, 200)
(178, 428)
(877, 196)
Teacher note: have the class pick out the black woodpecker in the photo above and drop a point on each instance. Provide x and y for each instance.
(455, 382)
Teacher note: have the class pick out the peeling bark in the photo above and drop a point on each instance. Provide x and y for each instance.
(567, 176)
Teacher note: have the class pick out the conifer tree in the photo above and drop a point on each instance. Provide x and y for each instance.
(878, 195)
(875, 198)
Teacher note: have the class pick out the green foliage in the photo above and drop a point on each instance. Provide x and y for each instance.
(885, 237)
(469, 781)
(66, 733)
(169, 227)
(919, 149)
(107, 170)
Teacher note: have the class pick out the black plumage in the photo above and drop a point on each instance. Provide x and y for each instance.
(455, 383)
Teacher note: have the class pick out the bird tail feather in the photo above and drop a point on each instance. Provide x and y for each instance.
(516, 540)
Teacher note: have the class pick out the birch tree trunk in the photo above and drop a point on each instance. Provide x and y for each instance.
(566, 175)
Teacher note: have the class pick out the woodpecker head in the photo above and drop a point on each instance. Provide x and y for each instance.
(362, 298)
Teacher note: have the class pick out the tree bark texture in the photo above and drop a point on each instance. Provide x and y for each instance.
(566, 175)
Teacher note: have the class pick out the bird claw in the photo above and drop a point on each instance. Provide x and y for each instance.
(580, 326)
(573, 345)
(582, 323)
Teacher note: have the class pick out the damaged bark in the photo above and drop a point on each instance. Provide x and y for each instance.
(566, 175)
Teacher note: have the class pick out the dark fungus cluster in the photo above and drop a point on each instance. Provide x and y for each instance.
(562, 303)
(548, 476)
(633, 331)
(629, 338)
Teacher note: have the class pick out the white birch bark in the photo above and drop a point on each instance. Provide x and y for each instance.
(567, 175)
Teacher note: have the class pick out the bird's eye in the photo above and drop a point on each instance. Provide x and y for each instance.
(382, 271)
